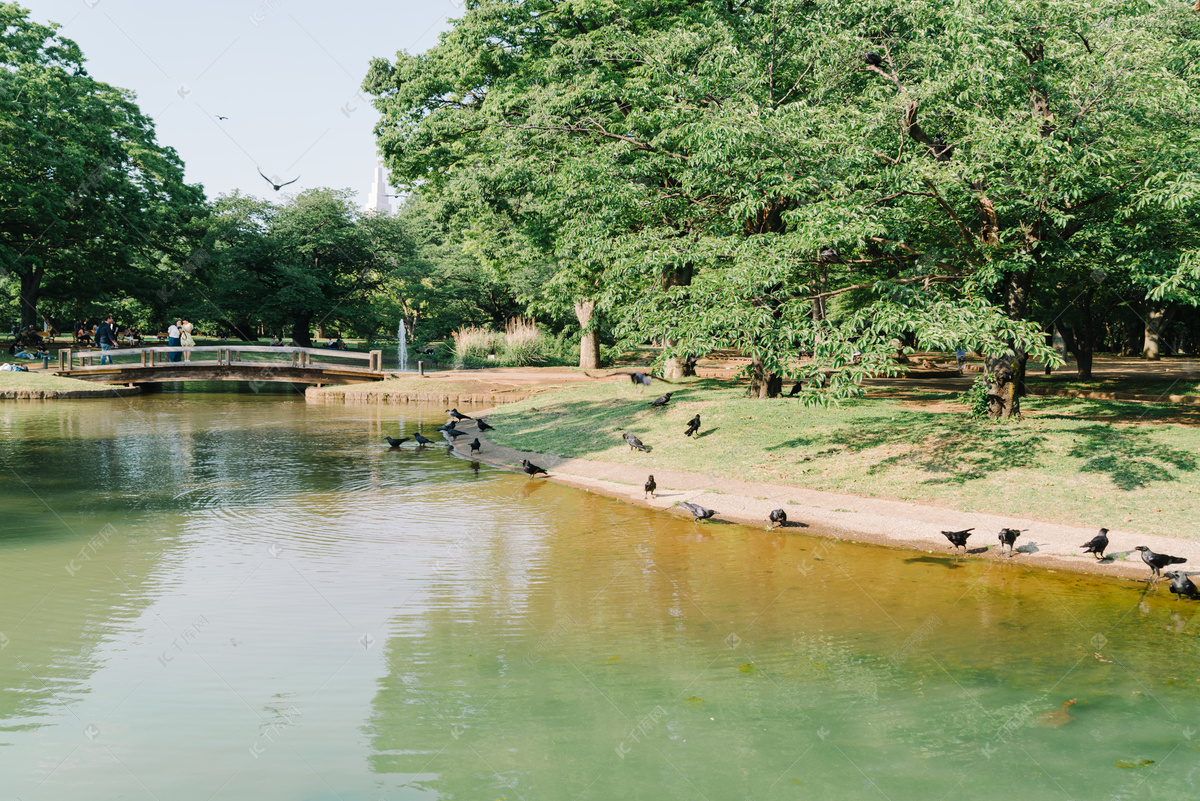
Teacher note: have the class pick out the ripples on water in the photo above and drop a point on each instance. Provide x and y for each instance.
(208, 595)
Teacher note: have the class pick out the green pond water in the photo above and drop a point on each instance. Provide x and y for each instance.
(208, 595)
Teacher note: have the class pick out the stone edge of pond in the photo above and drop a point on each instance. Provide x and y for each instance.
(69, 394)
(874, 521)
(387, 395)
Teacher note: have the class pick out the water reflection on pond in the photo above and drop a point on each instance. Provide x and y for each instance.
(215, 595)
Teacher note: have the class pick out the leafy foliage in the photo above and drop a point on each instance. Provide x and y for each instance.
(742, 176)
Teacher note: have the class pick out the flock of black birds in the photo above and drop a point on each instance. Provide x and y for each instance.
(450, 431)
(1181, 585)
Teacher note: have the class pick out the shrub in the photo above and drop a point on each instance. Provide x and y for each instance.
(472, 343)
(976, 398)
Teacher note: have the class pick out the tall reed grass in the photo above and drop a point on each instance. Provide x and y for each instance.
(521, 344)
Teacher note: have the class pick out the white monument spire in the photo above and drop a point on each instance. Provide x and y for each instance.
(377, 201)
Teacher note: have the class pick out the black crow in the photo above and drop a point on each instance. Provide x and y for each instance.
(276, 186)
(650, 487)
(1097, 544)
(450, 426)
(457, 415)
(959, 538)
(658, 403)
(483, 426)
(641, 379)
(531, 468)
(219, 117)
(635, 443)
(778, 517)
(1008, 536)
(873, 58)
(795, 390)
(396, 443)
(453, 434)
(693, 426)
(831, 256)
(475, 445)
(698, 511)
(1182, 585)
(1158, 561)
(421, 440)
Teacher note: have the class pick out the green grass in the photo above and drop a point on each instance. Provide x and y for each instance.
(45, 381)
(1138, 386)
(1089, 463)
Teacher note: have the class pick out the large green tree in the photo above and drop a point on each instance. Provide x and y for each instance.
(90, 201)
(785, 175)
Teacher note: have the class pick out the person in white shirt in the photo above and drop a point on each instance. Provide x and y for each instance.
(173, 340)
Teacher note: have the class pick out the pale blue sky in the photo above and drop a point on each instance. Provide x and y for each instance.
(286, 73)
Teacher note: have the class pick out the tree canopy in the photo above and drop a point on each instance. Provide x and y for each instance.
(786, 176)
(91, 202)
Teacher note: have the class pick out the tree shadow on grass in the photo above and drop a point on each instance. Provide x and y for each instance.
(1128, 456)
(954, 449)
(1052, 408)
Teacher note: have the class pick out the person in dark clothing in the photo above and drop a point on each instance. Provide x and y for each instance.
(106, 338)
(173, 334)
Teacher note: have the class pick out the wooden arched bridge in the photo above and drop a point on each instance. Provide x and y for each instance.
(254, 363)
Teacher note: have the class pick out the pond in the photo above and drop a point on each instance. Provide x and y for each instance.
(211, 594)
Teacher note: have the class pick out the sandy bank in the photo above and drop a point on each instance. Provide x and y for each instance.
(890, 523)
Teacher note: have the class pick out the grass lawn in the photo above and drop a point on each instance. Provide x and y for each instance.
(46, 381)
(1082, 462)
(1137, 386)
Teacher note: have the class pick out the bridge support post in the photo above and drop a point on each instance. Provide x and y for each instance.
(420, 367)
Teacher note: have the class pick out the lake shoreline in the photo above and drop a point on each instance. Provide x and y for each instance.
(42, 385)
(901, 525)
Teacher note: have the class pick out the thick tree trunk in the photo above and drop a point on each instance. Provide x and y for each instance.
(1132, 337)
(1006, 375)
(1003, 400)
(31, 290)
(589, 345)
(1081, 341)
(300, 334)
(1156, 323)
(674, 369)
(763, 385)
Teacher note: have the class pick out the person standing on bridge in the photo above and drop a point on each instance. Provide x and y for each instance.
(173, 340)
(106, 338)
(185, 338)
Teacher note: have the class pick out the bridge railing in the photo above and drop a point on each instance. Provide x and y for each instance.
(230, 355)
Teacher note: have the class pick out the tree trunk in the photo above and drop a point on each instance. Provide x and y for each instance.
(1156, 323)
(300, 333)
(673, 368)
(763, 385)
(1003, 400)
(589, 345)
(1081, 341)
(31, 290)
(1132, 337)
(1006, 375)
